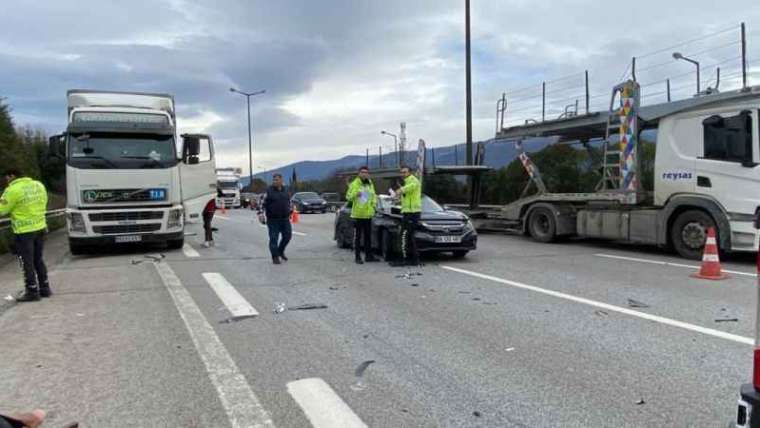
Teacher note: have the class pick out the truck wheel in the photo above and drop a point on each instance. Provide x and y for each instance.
(386, 246)
(77, 249)
(689, 232)
(175, 244)
(542, 225)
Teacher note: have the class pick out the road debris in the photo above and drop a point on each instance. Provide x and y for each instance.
(477, 414)
(636, 304)
(477, 299)
(601, 313)
(640, 402)
(464, 292)
(155, 258)
(727, 320)
(359, 372)
(334, 288)
(414, 284)
(280, 307)
(9, 298)
(409, 275)
(307, 306)
(509, 349)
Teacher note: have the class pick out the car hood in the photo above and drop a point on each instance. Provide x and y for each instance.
(443, 215)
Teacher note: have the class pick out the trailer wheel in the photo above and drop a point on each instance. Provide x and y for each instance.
(689, 232)
(542, 225)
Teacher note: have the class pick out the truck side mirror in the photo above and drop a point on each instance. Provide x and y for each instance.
(57, 146)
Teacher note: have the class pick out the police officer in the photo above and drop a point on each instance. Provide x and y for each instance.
(411, 207)
(361, 193)
(25, 200)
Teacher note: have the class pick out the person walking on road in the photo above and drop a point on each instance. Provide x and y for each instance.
(25, 200)
(276, 207)
(411, 207)
(361, 194)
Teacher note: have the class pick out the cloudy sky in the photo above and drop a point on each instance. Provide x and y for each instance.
(337, 72)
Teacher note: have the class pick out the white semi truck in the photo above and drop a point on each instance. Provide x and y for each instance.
(706, 174)
(125, 179)
(228, 181)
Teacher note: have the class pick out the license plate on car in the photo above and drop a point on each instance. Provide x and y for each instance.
(450, 239)
(128, 238)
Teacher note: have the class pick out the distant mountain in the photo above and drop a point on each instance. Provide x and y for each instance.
(498, 154)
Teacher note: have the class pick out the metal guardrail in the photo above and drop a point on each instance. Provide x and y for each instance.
(5, 223)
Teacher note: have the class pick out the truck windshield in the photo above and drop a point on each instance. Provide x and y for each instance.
(121, 151)
(227, 184)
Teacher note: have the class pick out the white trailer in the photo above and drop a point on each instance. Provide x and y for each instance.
(124, 179)
(706, 174)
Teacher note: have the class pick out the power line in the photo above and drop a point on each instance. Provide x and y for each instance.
(706, 36)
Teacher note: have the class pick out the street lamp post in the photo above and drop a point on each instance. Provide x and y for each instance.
(248, 96)
(395, 146)
(677, 55)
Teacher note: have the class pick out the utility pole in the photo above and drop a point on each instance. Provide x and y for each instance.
(248, 96)
(468, 79)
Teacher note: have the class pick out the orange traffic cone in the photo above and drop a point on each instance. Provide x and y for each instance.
(710, 261)
(294, 217)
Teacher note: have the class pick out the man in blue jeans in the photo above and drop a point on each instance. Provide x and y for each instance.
(276, 206)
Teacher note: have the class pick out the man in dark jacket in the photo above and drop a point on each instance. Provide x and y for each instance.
(276, 206)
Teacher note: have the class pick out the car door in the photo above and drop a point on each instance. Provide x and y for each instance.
(197, 173)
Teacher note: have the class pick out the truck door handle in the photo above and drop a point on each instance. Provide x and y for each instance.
(703, 181)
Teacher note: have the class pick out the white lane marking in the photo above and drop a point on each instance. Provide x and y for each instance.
(607, 306)
(189, 251)
(240, 403)
(235, 303)
(658, 262)
(322, 406)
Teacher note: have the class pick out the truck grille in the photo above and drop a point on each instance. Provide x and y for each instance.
(127, 215)
(127, 228)
(123, 195)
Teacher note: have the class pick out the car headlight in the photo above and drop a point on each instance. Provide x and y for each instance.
(175, 218)
(76, 223)
(469, 226)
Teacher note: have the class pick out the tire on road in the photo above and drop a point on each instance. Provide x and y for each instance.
(688, 233)
(542, 225)
(386, 245)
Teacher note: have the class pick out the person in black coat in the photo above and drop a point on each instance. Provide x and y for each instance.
(276, 207)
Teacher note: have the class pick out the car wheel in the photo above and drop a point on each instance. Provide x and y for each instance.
(459, 254)
(541, 225)
(386, 245)
(689, 232)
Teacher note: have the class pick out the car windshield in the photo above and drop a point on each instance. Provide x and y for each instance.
(121, 151)
(429, 205)
(227, 184)
(307, 195)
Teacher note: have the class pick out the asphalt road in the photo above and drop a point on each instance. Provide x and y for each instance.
(517, 334)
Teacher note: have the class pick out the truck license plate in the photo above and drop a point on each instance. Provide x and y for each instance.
(128, 238)
(450, 239)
